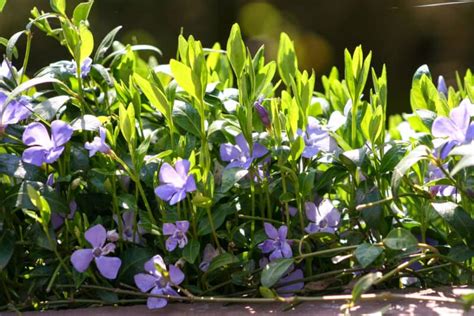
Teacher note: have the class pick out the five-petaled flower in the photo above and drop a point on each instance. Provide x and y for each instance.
(324, 218)
(98, 144)
(457, 129)
(108, 266)
(276, 244)
(316, 139)
(239, 154)
(159, 281)
(42, 147)
(128, 223)
(177, 234)
(175, 182)
(13, 112)
(86, 65)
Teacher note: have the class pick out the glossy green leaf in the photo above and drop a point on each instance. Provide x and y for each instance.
(367, 253)
(221, 261)
(421, 152)
(236, 50)
(191, 251)
(364, 284)
(81, 12)
(400, 239)
(274, 271)
(286, 59)
(58, 6)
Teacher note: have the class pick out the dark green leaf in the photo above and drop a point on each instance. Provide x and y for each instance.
(230, 177)
(191, 251)
(419, 153)
(13, 166)
(48, 108)
(222, 261)
(7, 245)
(133, 260)
(459, 220)
(367, 253)
(274, 271)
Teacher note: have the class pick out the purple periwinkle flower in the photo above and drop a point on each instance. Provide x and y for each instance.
(276, 244)
(82, 258)
(5, 69)
(435, 173)
(262, 113)
(42, 147)
(57, 219)
(209, 253)
(324, 218)
(159, 281)
(457, 129)
(177, 234)
(287, 290)
(316, 139)
(128, 219)
(13, 112)
(175, 182)
(239, 154)
(98, 144)
(86, 65)
(442, 87)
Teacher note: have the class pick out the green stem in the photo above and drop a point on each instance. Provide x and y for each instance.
(258, 218)
(213, 228)
(29, 36)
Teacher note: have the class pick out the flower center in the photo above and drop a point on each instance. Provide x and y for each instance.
(97, 252)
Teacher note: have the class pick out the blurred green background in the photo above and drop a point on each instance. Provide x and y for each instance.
(404, 34)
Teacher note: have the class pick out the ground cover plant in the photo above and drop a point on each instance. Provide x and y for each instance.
(222, 176)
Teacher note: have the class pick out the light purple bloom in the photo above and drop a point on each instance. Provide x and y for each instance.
(42, 147)
(276, 244)
(82, 258)
(324, 218)
(239, 154)
(457, 129)
(262, 113)
(158, 281)
(86, 65)
(177, 234)
(13, 112)
(442, 88)
(57, 219)
(435, 173)
(316, 139)
(175, 182)
(98, 144)
(209, 253)
(128, 218)
(287, 290)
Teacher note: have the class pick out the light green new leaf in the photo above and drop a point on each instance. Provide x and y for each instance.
(156, 97)
(287, 62)
(236, 50)
(87, 42)
(81, 12)
(58, 6)
(183, 75)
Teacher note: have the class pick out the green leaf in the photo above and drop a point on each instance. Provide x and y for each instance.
(81, 12)
(13, 166)
(86, 123)
(456, 217)
(222, 260)
(230, 177)
(10, 47)
(400, 239)
(133, 260)
(58, 6)
(266, 292)
(367, 253)
(274, 270)
(219, 215)
(421, 152)
(7, 246)
(127, 122)
(105, 44)
(286, 60)
(184, 76)
(156, 97)
(236, 50)
(2, 5)
(465, 162)
(187, 117)
(87, 42)
(296, 149)
(364, 284)
(191, 251)
(30, 84)
(461, 253)
(392, 157)
(48, 108)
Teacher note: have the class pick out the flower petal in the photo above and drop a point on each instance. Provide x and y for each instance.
(81, 259)
(182, 167)
(96, 235)
(165, 191)
(176, 275)
(171, 243)
(229, 152)
(270, 230)
(150, 264)
(282, 232)
(34, 155)
(35, 134)
(61, 132)
(53, 154)
(169, 229)
(182, 226)
(108, 266)
(178, 196)
(155, 302)
(259, 150)
(293, 276)
(444, 127)
(144, 281)
(311, 211)
(267, 246)
(168, 174)
(190, 185)
(242, 143)
(286, 250)
(460, 116)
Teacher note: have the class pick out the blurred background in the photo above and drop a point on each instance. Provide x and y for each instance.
(403, 34)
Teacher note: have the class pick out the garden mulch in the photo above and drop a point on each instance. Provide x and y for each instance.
(383, 307)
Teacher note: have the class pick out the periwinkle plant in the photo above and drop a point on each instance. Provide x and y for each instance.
(229, 170)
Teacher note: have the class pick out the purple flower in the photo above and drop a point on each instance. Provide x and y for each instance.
(239, 154)
(159, 281)
(457, 129)
(42, 147)
(209, 253)
(57, 219)
(288, 289)
(276, 242)
(324, 218)
(13, 112)
(442, 88)
(262, 113)
(175, 182)
(316, 139)
(435, 173)
(127, 227)
(98, 144)
(108, 266)
(177, 234)
(86, 65)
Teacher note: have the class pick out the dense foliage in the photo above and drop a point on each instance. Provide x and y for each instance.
(220, 174)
